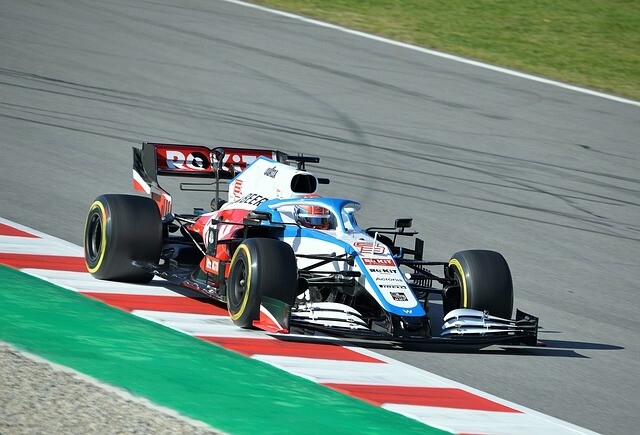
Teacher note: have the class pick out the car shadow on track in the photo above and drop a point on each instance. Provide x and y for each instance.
(546, 348)
(564, 344)
(554, 348)
(178, 289)
(549, 348)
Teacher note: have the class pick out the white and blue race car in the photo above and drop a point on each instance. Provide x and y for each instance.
(283, 258)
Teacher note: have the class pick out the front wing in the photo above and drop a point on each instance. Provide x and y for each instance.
(462, 326)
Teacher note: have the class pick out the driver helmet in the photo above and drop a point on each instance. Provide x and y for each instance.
(312, 216)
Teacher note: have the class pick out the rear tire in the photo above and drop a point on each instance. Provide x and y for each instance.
(260, 267)
(484, 282)
(119, 229)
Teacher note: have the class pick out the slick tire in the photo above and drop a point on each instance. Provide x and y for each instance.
(260, 267)
(484, 283)
(119, 229)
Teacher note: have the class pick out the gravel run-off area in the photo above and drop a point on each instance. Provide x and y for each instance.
(39, 397)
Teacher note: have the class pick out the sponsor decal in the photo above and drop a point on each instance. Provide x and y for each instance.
(252, 199)
(386, 278)
(209, 230)
(399, 296)
(194, 158)
(271, 172)
(211, 234)
(387, 271)
(367, 248)
(186, 159)
(211, 265)
(378, 261)
(237, 189)
(396, 286)
(408, 311)
(238, 159)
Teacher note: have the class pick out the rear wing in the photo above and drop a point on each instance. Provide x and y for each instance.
(221, 163)
(197, 160)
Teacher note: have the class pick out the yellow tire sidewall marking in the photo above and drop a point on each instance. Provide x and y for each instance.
(245, 299)
(456, 263)
(103, 245)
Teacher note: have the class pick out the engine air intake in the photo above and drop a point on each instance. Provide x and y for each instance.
(304, 183)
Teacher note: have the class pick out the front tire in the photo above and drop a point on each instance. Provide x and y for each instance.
(119, 229)
(484, 283)
(260, 267)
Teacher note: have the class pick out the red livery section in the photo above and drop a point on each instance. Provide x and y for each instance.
(51, 262)
(239, 158)
(263, 346)
(192, 159)
(173, 304)
(421, 396)
(6, 230)
(199, 160)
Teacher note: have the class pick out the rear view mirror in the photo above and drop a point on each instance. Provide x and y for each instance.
(259, 215)
(404, 223)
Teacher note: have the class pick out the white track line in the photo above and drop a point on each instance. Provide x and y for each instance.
(326, 371)
(483, 422)
(23, 245)
(84, 282)
(438, 54)
(70, 246)
(198, 324)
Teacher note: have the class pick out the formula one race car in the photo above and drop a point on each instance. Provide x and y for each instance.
(283, 258)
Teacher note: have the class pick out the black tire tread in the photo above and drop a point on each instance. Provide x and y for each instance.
(274, 274)
(488, 281)
(133, 232)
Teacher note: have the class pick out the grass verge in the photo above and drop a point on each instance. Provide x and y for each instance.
(590, 43)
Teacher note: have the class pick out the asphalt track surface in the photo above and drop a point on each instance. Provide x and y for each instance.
(547, 176)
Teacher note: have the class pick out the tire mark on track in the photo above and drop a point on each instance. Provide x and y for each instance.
(349, 175)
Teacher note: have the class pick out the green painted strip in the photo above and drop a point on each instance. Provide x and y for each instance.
(221, 388)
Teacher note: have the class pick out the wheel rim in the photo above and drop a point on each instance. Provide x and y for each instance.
(94, 237)
(458, 276)
(239, 286)
(453, 298)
